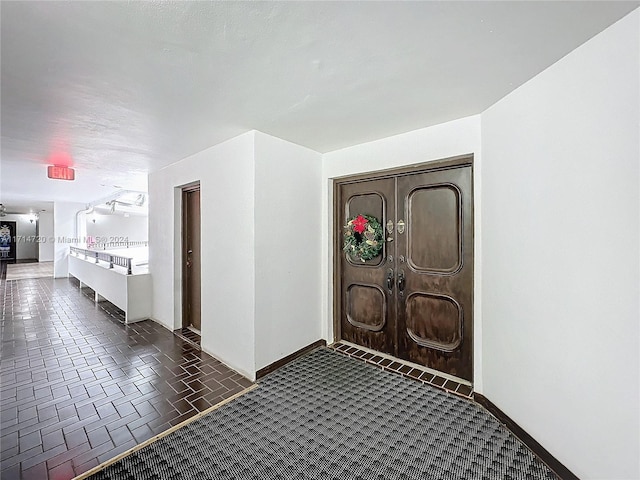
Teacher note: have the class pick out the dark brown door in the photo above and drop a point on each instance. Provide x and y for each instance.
(415, 300)
(368, 305)
(191, 258)
(435, 270)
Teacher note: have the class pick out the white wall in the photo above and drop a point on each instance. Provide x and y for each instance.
(260, 299)
(135, 227)
(226, 175)
(560, 235)
(287, 248)
(433, 143)
(64, 229)
(26, 245)
(45, 232)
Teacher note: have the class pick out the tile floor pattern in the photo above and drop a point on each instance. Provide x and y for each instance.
(78, 387)
(407, 370)
(189, 336)
(107, 307)
(20, 271)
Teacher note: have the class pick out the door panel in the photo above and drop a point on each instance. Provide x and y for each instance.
(434, 321)
(435, 258)
(434, 249)
(366, 308)
(191, 315)
(415, 301)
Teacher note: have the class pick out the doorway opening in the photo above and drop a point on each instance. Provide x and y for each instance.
(413, 300)
(191, 249)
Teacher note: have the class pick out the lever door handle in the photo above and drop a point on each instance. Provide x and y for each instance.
(390, 279)
(401, 281)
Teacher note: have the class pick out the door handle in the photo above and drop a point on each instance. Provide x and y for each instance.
(401, 281)
(390, 280)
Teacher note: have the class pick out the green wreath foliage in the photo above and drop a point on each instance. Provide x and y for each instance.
(363, 237)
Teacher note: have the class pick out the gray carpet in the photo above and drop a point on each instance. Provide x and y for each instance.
(326, 416)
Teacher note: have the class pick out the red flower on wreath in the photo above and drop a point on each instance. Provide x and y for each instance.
(360, 224)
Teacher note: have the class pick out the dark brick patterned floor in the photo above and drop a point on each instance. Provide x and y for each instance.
(188, 336)
(78, 387)
(403, 368)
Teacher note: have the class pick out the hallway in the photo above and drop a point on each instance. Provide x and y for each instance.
(32, 269)
(79, 387)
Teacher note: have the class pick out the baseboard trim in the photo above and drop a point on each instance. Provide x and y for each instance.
(283, 361)
(542, 453)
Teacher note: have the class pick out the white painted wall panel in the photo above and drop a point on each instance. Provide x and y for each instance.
(64, 232)
(226, 176)
(131, 293)
(288, 229)
(45, 232)
(561, 239)
(138, 297)
(134, 227)
(109, 283)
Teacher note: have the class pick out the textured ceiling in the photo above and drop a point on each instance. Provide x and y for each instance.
(118, 89)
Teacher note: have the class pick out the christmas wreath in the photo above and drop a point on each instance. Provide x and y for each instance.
(363, 237)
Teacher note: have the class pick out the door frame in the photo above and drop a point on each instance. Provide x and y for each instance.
(432, 166)
(182, 192)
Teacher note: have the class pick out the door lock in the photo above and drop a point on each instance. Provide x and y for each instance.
(390, 231)
(390, 227)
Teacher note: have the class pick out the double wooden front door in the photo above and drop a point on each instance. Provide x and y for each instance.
(414, 301)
